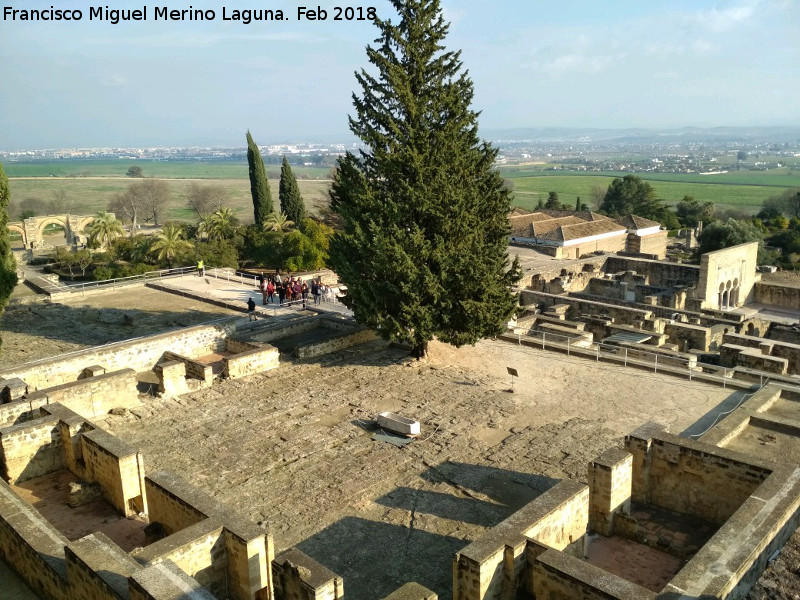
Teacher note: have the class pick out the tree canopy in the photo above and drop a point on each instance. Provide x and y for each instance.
(289, 194)
(423, 209)
(144, 200)
(8, 267)
(630, 195)
(690, 212)
(259, 185)
(721, 235)
(134, 171)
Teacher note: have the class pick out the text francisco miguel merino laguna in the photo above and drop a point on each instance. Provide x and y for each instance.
(165, 13)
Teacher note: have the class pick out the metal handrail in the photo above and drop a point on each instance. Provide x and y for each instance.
(82, 286)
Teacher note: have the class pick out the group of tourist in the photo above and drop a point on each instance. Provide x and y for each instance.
(292, 290)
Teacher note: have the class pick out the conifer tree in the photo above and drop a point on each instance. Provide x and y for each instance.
(8, 268)
(424, 211)
(259, 186)
(289, 194)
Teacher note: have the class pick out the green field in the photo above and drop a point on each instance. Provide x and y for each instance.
(90, 185)
(100, 181)
(740, 190)
(150, 168)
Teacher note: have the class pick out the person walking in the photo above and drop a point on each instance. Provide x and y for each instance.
(201, 268)
(304, 293)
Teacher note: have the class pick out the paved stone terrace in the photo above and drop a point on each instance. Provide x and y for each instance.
(292, 447)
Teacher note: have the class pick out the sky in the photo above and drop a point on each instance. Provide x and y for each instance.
(572, 63)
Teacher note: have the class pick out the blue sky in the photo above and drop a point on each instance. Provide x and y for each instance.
(534, 64)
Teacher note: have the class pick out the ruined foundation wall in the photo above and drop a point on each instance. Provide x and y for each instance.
(198, 550)
(557, 576)
(31, 449)
(658, 273)
(92, 396)
(492, 567)
(776, 295)
(140, 355)
(118, 469)
(32, 547)
(691, 478)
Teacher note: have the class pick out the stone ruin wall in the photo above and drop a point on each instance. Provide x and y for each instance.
(140, 355)
(776, 295)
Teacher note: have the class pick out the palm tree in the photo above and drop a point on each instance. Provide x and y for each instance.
(169, 243)
(278, 222)
(221, 224)
(205, 226)
(105, 227)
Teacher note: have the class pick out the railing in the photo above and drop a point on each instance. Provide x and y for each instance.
(629, 356)
(328, 302)
(118, 281)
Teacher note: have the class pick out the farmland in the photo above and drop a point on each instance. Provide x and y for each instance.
(742, 190)
(90, 185)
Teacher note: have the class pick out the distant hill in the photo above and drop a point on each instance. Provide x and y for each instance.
(636, 135)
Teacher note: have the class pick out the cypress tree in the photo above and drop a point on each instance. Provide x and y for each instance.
(259, 186)
(424, 211)
(289, 194)
(8, 269)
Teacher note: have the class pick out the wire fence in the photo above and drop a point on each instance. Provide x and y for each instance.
(630, 356)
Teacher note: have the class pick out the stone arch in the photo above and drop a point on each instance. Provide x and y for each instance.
(21, 230)
(43, 222)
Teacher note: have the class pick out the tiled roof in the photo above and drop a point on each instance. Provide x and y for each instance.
(635, 222)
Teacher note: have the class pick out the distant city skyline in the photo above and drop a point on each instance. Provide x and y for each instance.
(572, 64)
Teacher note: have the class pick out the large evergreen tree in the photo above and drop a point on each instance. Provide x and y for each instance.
(630, 195)
(423, 209)
(259, 186)
(289, 194)
(8, 268)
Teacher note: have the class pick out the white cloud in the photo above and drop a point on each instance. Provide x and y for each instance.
(720, 20)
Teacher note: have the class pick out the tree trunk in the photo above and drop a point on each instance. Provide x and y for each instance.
(420, 350)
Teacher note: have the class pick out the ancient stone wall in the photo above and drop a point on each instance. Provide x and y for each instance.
(654, 244)
(31, 449)
(610, 478)
(118, 468)
(727, 276)
(775, 294)
(92, 396)
(172, 503)
(558, 576)
(336, 343)
(493, 565)
(689, 477)
(688, 337)
(197, 550)
(140, 355)
(297, 576)
(32, 547)
(249, 359)
(658, 273)
(620, 314)
(774, 348)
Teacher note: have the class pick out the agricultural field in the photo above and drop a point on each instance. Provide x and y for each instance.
(90, 185)
(742, 190)
(100, 181)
